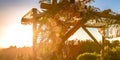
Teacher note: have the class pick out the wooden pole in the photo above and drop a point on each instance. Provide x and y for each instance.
(103, 45)
(102, 48)
(34, 33)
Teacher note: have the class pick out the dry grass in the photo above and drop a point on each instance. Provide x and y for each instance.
(16, 53)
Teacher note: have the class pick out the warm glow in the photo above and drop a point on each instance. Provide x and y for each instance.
(17, 35)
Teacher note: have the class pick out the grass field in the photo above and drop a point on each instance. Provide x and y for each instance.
(14, 53)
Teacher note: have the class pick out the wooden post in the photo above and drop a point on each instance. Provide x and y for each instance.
(102, 48)
(34, 33)
(103, 41)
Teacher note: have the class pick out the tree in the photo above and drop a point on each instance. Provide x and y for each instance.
(68, 15)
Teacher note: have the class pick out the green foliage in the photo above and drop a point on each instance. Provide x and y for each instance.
(107, 43)
(111, 49)
(112, 53)
(89, 46)
(115, 43)
(88, 56)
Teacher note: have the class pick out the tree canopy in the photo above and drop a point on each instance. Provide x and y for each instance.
(69, 13)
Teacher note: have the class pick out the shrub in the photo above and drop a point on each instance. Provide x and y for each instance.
(88, 56)
(113, 53)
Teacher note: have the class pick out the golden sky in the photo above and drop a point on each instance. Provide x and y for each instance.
(11, 30)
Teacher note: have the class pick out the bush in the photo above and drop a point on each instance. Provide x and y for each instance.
(89, 46)
(113, 53)
(88, 56)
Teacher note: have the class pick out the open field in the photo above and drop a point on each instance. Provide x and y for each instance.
(14, 53)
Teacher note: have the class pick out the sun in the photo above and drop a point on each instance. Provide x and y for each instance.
(17, 35)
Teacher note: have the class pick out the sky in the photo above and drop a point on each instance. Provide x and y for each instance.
(12, 32)
(114, 5)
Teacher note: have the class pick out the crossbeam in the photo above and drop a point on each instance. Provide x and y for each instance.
(28, 18)
(48, 6)
(98, 25)
(72, 31)
(95, 40)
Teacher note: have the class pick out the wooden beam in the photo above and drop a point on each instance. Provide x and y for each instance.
(95, 40)
(96, 25)
(28, 17)
(45, 6)
(72, 31)
(26, 21)
(48, 6)
(93, 26)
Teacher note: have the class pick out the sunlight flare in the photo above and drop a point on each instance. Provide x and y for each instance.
(17, 35)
